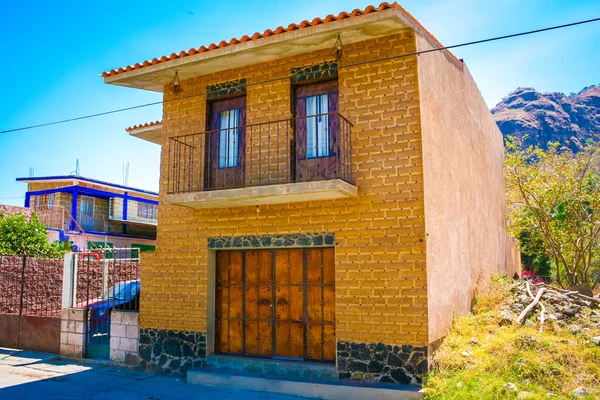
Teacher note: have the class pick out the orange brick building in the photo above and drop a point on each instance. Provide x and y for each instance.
(326, 195)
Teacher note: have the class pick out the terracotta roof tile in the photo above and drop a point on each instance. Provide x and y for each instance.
(269, 32)
(146, 125)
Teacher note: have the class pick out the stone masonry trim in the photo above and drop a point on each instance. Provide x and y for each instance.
(327, 69)
(378, 362)
(171, 352)
(272, 241)
(225, 89)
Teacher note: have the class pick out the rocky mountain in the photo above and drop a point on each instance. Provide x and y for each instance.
(548, 117)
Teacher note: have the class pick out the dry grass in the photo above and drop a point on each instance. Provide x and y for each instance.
(555, 361)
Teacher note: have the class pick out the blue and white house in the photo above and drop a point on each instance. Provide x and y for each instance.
(91, 213)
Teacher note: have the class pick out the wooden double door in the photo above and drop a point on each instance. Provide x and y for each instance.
(276, 303)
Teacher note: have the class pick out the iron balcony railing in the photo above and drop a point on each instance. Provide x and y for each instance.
(290, 150)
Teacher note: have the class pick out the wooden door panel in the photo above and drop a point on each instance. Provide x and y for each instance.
(328, 266)
(314, 306)
(265, 268)
(235, 268)
(265, 341)
(282, 267)
(329, 346)
(282, 301)
(314, 339)
(251, 302)
(235, 302)
(296, 267)
(296, 340)
(235, 336)
(314, 267)
(252, 337)
(252, 268)
(282, 339)
(265, 303)
(296, 303)
(328, 304)
(222, 302)
(222, 268)
(222, 335)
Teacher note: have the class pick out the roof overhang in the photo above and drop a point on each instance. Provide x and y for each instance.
(76, 180)
(148, 133)
(300, 41)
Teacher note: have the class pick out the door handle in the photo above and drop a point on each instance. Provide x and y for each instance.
(282, 303)
(264, 302)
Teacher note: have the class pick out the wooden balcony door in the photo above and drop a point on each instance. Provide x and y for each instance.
(276, 303)
(317, 131)
(226, 144)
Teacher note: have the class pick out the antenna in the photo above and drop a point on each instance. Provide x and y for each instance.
(126, 173)
(31, 172)
(76, 172)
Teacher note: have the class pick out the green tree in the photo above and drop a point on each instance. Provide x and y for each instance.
(20, 236)
(556, 193)
(534, 255)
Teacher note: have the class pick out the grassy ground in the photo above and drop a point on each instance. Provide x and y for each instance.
(555, 361)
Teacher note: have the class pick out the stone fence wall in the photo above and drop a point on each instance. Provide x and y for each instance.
(124, 337)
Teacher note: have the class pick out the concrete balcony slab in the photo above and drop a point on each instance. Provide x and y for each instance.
(271, 194)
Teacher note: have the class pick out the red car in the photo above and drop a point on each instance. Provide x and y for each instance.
(89, 256)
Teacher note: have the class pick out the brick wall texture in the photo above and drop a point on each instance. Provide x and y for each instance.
(381, 293)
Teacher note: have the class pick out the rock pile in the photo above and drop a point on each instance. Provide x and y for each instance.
(532, 304)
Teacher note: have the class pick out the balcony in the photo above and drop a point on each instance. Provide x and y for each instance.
(262, 163)
(138, 213)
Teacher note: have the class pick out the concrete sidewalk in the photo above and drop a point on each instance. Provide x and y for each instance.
(43, 376)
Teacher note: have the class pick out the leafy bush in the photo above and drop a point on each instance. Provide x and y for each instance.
(20, 236)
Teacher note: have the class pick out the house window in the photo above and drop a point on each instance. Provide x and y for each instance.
(42, 200)
(148, 211)
(86, 213)
(317, 126)
(229, 122)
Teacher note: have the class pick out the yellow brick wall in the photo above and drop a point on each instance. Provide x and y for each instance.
(381, 292)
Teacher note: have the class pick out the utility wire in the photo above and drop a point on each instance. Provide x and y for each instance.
(288, 76)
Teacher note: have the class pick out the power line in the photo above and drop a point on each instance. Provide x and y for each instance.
(288, 76)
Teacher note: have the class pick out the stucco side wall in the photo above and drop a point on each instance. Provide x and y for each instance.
(465, 217)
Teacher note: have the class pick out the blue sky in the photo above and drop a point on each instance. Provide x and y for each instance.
(53, 53)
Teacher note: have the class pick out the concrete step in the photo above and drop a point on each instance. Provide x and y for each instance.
(277, 368)
(318, 389)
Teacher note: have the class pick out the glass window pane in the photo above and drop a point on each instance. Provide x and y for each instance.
(317, 126)
(228, 138)
(323, 127)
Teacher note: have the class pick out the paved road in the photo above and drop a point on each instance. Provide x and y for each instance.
(27, 375)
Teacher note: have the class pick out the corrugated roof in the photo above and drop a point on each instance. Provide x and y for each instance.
(269, 32)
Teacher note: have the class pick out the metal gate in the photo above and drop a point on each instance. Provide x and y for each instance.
(30, 303)
(106, 279)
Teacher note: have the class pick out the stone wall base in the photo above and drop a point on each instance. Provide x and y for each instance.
(171, 352)
(378, 362)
